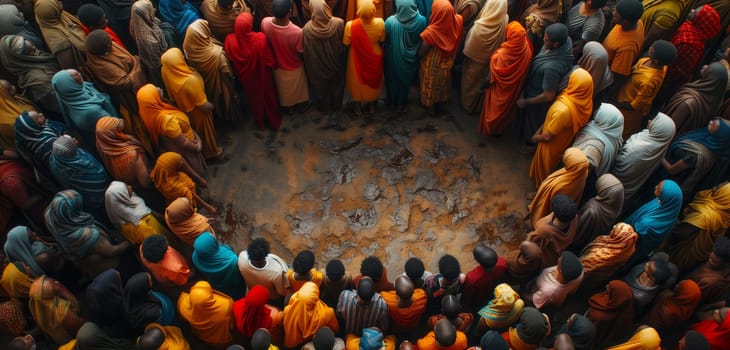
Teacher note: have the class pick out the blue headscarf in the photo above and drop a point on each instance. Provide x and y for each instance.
(372, 339)
(424, 7)
(167, 313)
(18, 247)
(74, 229)
(403, 37)
(37, 140)
(82, 105)
(655, 219)
(718, 143)
(219, 265)
(178, 14)
(75, 168)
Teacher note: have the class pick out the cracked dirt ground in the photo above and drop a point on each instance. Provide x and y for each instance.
(391, 184)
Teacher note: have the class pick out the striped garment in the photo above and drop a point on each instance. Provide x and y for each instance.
(356, 316)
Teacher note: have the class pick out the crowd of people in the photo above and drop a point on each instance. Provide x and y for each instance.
(108, 114)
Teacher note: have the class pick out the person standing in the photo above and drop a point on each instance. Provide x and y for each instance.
(365, 58)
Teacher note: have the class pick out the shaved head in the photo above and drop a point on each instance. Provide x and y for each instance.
(261, 339)
(564, 342)
(151, 339)
(404, 287)
(445, 333)
(407, 345)
(450, 306)
(485, 256)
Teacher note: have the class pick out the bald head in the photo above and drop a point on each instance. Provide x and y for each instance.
(404, 287)
(450, 306)
(445, 333)
(366, 289)
(152, 339)
(324, 339)
(485, 256)
(407, 345)
(261, 339)
(564, 342)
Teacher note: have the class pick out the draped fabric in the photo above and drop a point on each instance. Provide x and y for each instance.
(221, 20)
(444, 28)
(599, 213)
(570, 181)
(671, 310)
(74, 229)
(170, 180)
(595, 61)
(606, 254)
(11, 106)
(709, 218)
(504, 309)
(82, 105)
(184, 221)
(33, 68)
(324, 57)
(253, 60)
(717, 334)
(642, 153)
(305, 314)
(124, 206)
(542, 14)
(646, 338)
(689, 39)
(104, 298)
(15, 282)
(601, 139)
(251, 312)
(581, 331)
(146, 31)
(12, 23)
(523, 262)
(36, 141)
(118, 151)
(405, 319)
(322, 23)
(206, 54)
(570, 111)
(654, 220)
(75, 168)
(695, 103)
(368, 63)
(639, 91)
(49, 307)
(187, 89)
(365, 57)
(140, 306)
(552, 239)
(19, 247)
(508, 70)
(180, 14)
(612, 313)
(61, 30)
(208, 312)
(174, 339)
(91, 337)
(530, 330)
(402, 39)
(218, 264)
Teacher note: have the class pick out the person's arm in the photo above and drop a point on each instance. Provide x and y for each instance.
(184, 143)
(544, 97)
(187, 169)
(142, 171)
(542, 136)
(107, 249)
(676, 167)
(206, 107)
(423, 50)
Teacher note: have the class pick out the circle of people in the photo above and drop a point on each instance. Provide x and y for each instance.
(613, 98)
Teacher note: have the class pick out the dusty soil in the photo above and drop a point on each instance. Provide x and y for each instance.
(394, 185)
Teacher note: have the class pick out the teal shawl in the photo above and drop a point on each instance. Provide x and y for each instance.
(219, 265)
(74, 229)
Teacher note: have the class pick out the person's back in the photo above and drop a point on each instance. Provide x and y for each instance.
(362, 308)
(482, 279)
(259, 267)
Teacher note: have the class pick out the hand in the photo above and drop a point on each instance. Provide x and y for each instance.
(212, 220)
(521, 103)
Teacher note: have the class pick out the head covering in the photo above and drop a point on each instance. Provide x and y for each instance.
(372, 339)
(488, 31)
(718, 143)
(153, 110)
(525, 261)
(595, 61)
(74, 167)
(642, 153)
(248, 48)
(655, 219)
(50, 308)
(581, 332)
(251, 312)
(204, 52)
(15, 282)
(208, 312)
(123, 207)
(569, 181)
(218, 264)
(33, 69)
(74, 229)
(181, 80)
(646, 338)
(547, 11)
(79, 100)
(404, 30)
(322, 23)
(18, 247)
(718, 335)
(674, 309)
(306, 313)
(578, 97)
(709, 211)
(504, 309)
(112, 143)
(65, 146)
(184, 221)
(91, 337)
(612, 311)
(104, 297)
(60, 29)
(533, 326)
(180, 14)
(444, 27)
(11, 106)
(146, 31)
(702, 97)
(598, 214)
(12, 23)
(140, 306)
(610, 251)
(606, 128)
(221, 19)
(37, 139)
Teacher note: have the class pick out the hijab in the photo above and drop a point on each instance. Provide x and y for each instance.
(146, 31)
(597, 215)
(488, 31)
(717, 334)
(372, 339)
(208, 312)
(305, 314)
(32, 69)
(655, 219)
(181, 80)
(74, 167)
(718, 143)
(218, 264)
(322, 24)
(183, 220)
(104, 297)
(578, 97)
(612, 311)
(112, 142)
(80, 100)
(18, 247)
(703, 97)
(251, 312)
(444, 28)
(203, 51)
(677, 307)
(595, 61)
(140, 306)
(180, 14)
(152, 110)
(504, 309)
(38, 140)
(533, 326)
(74, 229)
(123, 206)
(614, 248)
(607, 127)
(61, 30)
(248, 48)
(11, 23)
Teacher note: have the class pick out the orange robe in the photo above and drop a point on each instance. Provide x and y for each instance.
(407, 318)
(171, 269)
(306, 314)
(209, 313)
(185, 222)
(172, 182)
(295, 284)
(429, 342)
(375, 30)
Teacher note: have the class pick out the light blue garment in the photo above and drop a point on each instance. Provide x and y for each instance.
(18, 247)
(36, 141)
(79, 170)
(655, 219)
(607, 126)
(218, 264)
(718, 143)
(74, 229)
(402, 41)
(179, 14)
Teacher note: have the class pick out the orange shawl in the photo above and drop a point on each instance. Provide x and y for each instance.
(158, 116)
(570, 181)
(15, 283)
(551, 239)
(306, 314)
(509, 65)
(170, 180)
(49, 309)
(409, 317)
(184, 221)
(612, 250)
(444, 28)
(578, 96)
(368, 63)
(117, 150)
(185, 86)
(209, 312)
(671, 310)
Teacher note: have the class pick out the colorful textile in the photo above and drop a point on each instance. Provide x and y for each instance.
(695, 103)
(75, 168)
(36, 141)
(74, 229)
(12, 318)
(570, 111)
(552, 239)
(357, 317)
(184, 221)
(402, 39)
(717, 334)
(600, 139)
(435, 77)
(508, 70)
(504, 309)
(11, 106)
(479, 280)
(405, 318)
(606, 254)
(208, 312)
(170, 180)
(221, 20)
(119, 152)
(569, 181)
(549, 291)
(599, 213)
(671, 310)
(124, 206)
(15, 282)
(251, 311)
(645, 339)
(655, 219)
(612, 312)
(323, 56)
(532, 327)
(365, 58)
(623, 47)
(542, 14)
(305, 314)
(50, 306)
(19, 248)
(444, 28)
(254, 61)
(295, 284)
(429, 342)
(689, 39)
(33, 68)
(639, 91)
(179, 14)
(218, 264)
(146, 32)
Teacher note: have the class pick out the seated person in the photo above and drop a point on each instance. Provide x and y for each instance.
(165, 263)
(261, 340)
(447, 282)
(406, 305)
(416, 271)
(555, 283)
(443, 337)
(362, 308)
(334, 282)
(303, 271)
(483, 278)
(372, 267)
(451, 310)
(325, 339)
(372, 339)
(502, 311)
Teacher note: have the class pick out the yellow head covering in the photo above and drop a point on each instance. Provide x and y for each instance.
(185, 85)
(578, 96)
(209, 313)
(365, 10)
(304, 315)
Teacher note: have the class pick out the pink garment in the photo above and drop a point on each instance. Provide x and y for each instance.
(550, 291)
(286, 43)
